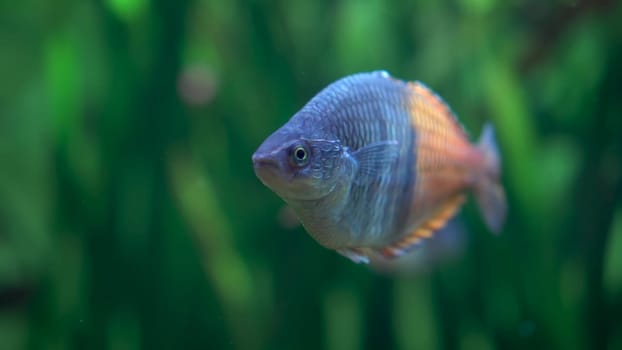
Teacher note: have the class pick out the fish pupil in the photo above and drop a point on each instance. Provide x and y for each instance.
(301, 154)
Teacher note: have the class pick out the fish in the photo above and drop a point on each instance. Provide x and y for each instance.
(373, 166)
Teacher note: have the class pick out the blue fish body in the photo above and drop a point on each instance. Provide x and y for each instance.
(373, 165)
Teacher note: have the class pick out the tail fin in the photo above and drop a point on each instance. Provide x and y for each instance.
(489, 193)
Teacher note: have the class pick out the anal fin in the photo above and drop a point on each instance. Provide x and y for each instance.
(356, 255)
(424, 230)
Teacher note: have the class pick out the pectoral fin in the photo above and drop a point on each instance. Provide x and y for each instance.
(425, 230)
(375, 160)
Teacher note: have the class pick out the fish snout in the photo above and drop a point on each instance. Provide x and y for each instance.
(262, 160)
(266, 168)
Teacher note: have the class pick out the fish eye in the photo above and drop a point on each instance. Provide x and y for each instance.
(300, 155)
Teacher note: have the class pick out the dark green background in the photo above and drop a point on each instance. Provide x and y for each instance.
(130, 216)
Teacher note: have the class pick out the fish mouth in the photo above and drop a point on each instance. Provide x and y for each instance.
(260, 161)
(266, 168)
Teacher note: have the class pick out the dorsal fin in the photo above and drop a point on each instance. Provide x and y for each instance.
(438, 104)
(426, 230)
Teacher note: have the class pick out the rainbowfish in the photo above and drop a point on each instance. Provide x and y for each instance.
(373, 165)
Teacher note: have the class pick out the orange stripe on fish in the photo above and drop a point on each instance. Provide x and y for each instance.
(439, 117)
(442, 150)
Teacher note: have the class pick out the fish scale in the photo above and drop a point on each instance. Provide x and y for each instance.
(379, 214)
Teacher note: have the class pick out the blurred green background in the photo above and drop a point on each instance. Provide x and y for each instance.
(130, 217)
